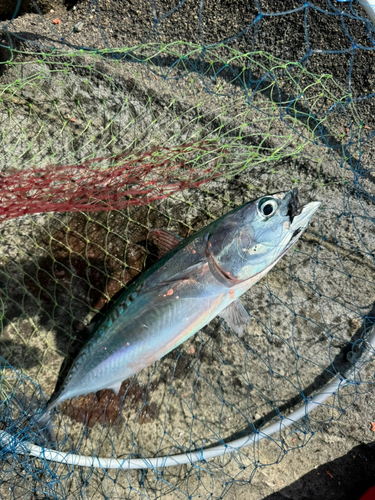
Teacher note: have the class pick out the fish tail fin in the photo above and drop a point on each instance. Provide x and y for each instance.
(34, 421)
(42, 423)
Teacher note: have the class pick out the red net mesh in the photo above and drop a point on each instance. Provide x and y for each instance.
(109, 183)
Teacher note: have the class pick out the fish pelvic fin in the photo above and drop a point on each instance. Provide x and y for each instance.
(116, 388)
(237, 318)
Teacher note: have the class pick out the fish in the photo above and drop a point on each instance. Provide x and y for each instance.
(198, 278)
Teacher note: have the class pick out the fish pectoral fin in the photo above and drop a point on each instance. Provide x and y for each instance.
(116, 388)
(237, 317)
(185, 274)
(165, 241)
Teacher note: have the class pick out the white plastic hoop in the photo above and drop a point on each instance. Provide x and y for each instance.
(27, 448)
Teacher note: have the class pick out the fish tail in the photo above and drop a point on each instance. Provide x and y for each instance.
(37, 422)
(42, 423)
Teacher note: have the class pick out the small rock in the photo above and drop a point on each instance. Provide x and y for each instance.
(354, 323)
(78, 26)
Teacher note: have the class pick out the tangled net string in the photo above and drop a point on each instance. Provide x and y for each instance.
(116, 120)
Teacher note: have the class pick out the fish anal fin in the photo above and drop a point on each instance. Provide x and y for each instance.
(164, 240)
(237, 318)
(116, 388)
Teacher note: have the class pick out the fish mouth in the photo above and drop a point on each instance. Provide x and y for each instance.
(294, 209)
(299, 215)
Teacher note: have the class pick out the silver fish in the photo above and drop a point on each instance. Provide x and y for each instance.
(200, 278)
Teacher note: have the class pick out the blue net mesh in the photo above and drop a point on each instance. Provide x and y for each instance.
(284, 97)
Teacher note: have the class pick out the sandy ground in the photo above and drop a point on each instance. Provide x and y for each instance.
(305, 315)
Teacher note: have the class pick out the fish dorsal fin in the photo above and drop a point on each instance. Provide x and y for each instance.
(237, 317)
(165, 240)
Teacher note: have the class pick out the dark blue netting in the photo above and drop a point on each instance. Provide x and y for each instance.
(234, 100)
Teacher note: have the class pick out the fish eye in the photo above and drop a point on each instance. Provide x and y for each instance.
(267, 207)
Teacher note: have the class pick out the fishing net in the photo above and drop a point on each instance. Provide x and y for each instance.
(152, 115)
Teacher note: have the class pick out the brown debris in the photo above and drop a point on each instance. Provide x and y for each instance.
(105, 407)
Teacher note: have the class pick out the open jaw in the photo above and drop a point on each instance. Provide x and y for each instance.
(300, 217)
(300, 220)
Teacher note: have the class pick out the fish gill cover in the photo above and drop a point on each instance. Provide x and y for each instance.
(119, 119)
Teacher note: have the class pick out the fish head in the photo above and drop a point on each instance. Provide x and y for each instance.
(248, 241)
